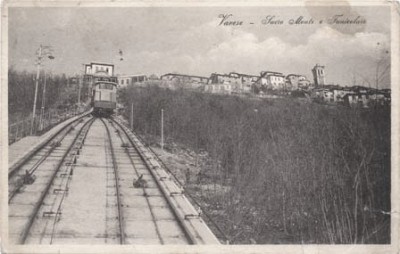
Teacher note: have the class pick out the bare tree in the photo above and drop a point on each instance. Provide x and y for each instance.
(381, 65)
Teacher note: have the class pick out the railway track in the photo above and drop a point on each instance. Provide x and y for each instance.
(47, 153)
(44, 172)
(107, 188)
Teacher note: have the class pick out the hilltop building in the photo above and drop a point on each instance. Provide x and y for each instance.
(94, 72)
(217, 78)
(233, 82)
(297, 82)
(99, 69)
(354, 96)
(175, 81)
(125, 80)
(221, 83)
(319, 75)
(272, 80)
(184, 78)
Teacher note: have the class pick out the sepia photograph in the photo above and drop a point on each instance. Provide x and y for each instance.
(233, 127)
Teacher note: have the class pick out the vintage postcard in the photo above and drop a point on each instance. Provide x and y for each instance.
(200, 127)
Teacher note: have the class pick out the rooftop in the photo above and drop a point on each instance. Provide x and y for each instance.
(183, 75)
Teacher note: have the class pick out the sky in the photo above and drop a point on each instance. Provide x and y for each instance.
(190, 40)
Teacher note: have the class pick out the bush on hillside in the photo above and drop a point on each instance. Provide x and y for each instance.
(313, 173)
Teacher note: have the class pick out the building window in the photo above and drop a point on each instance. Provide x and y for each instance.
(122, 81)
(127, 81)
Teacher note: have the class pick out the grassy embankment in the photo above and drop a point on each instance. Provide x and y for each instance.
(279, 171)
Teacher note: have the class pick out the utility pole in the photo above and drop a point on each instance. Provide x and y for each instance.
(162, 129)
(79, 89)
(42, 51)
(131, 123)
(43, 102)
(36, 87)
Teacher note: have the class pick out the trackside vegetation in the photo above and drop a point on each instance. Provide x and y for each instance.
(279, 170)
(21, 91)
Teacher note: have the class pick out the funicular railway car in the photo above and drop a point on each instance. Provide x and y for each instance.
(104, 97)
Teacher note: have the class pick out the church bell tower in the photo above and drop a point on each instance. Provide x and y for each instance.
(319, 75)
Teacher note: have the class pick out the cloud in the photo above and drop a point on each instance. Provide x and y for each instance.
(207, 49)
(201, 49)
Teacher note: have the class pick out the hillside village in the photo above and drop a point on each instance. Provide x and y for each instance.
(268, 84)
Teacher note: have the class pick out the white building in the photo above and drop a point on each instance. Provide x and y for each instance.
(99, 69)
(243, 83)
(125, 80)
(234, 82)
(218, 88)
(297, 82)
(323, 95)
(184, 78)
(272, 80)
(339, 93)
(356, 100)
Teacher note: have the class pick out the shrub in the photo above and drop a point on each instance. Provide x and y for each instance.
(21, 89)
(314, 173)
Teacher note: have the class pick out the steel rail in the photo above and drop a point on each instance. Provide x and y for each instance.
(207, 215)
(224, 236)
(143, 188)
(192, 239)
(42, 159)
(14, 168)
(72, 159)
(27, 228)
(66, 187)
(115, 167)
